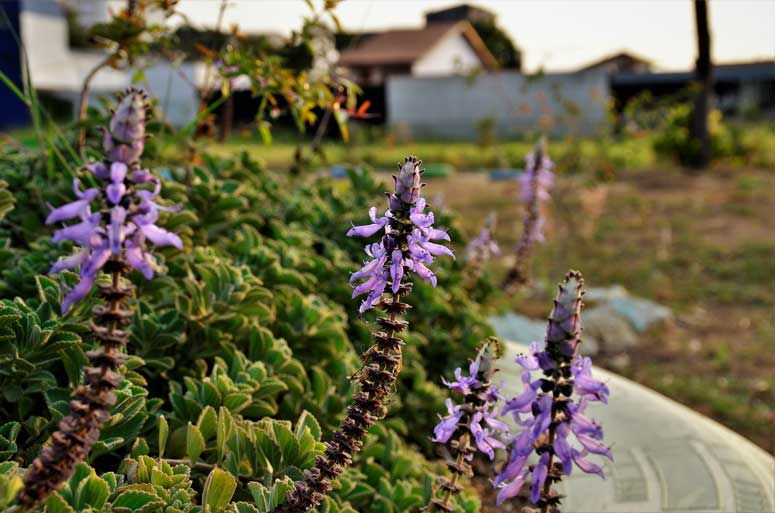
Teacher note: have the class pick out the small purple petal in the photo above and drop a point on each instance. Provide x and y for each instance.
(115, 192)
(585, 465)
(160, 236)
(80, 232)
(69, 262)
(78, 292)
(116, 233)
(396, 269)
(117, 172)
(539, 477)
(512, 489)
(95, 262)
(425, 273)
(139, 260)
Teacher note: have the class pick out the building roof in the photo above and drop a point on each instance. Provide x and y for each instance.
(401, 47)
(460, 12)
(732, 72)
(611, 59)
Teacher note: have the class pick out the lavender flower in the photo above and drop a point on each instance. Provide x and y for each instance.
(126, 215)
(471, 426)
(484, 247)
(535, 183)
(406, 247)
(551, 408)
(111, 225)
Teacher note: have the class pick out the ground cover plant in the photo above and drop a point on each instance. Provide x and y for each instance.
(240, 351)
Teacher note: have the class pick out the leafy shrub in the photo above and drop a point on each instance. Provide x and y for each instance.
(673, 140)
(241, 352)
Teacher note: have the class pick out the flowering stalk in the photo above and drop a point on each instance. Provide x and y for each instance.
(406, 247)
(554, 414)
(534, 188)
(462, 433)
(112, 239)
(484, 246)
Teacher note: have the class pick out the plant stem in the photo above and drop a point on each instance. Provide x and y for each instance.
(548, 483)
(376, 379)
(84, 103)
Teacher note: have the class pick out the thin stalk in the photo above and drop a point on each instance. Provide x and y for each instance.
(84, 101)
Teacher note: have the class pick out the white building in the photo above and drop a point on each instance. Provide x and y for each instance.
(59, 70)
(438, 49)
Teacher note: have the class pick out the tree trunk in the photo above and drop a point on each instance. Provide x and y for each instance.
(703, 86)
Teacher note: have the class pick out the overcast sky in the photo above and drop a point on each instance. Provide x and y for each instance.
(555, 34)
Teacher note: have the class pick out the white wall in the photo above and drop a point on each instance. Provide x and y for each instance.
(58, 69)
(451, 55)
(452, 106)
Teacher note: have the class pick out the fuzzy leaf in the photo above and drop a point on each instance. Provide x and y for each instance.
(218, 490)
(195, 443)
(164, 431)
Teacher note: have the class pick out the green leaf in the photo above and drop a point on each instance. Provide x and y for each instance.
(164, 431)
(195, 443)
(56, 504)
(246, 507)
(92, 492)
(207, 422)
(218, 490)
(307, 421)
(136, 501)
(265, 130)
(223, 431)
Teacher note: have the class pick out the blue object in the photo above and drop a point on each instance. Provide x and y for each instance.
(338, 172)
(497, 175)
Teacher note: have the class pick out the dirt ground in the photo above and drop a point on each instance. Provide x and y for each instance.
(702, 245)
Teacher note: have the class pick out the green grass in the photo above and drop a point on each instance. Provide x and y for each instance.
(573, 154)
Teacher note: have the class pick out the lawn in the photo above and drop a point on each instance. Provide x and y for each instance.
(384, 153)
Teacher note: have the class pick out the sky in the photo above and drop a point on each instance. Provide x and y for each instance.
(553, 34)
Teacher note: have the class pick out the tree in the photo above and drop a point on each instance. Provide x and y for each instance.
(703, 78)
(500, 44)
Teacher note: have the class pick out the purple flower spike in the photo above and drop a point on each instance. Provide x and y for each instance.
(390, 262)
(407, 243)
(535, 183)
(119, 219)
(554, 403)
(408, 181)
(484, 247)
(472, 426)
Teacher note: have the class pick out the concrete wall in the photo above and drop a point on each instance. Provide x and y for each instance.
(452, 54)
(452, 106)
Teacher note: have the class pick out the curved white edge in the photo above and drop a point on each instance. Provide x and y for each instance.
(760, 460)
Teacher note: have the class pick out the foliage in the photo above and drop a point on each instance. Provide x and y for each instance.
(674, 140)
(500, 44)
(241, 351)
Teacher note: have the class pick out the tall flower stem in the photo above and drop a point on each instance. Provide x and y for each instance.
(535, 183)
(470, 427)
(90, 407)
(405, 248)
(555, 404)
(450, 486)
(376, 380)
(111, 226)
